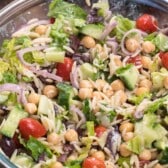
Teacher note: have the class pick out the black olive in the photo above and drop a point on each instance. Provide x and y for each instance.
(8, 145)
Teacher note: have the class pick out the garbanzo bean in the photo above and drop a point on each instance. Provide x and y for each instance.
(123, 96)
(85, 93)
(88, 42)
(117, 85)
(97, 95)
(141, 90)
(132, 44)
(85, 84)
(56, 165)
(71, 135)
(53, 138)
(100, 84)
(31, 108)
(41, 29)
(99, 155)
(146, 62)
(127, 136)
(145, 155)
(126, 127)
(33, 98)
(118, 61)
(146, 83)
(148, 47)
(50, 91)
(124, 151)
(165, 82)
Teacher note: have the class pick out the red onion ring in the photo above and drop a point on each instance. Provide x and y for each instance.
(16, 89)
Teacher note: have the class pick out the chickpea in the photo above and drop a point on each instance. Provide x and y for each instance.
(53, 138)
(88, 42)
(85, 93)
(141, 90)
(148, 47)
(56, 165)
(41, 29)
(124, 151)
(165, 82)
(85, 84)
(50, 91)
(100, 84)
(126, 127)
(146, 62)
(33, 98)
(99, 155)
(146, 83)
(30, 108)
(132, 45)
(117, 85)
(145, 155)
(158, 166)
(127, 136)
(97, 95)
(71, 135)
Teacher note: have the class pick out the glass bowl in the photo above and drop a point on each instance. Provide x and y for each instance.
(19, 12)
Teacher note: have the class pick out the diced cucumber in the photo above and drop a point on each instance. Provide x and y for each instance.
(55, 56)
(129, 75)
(88, 71)
(9, 127)
(93, 30)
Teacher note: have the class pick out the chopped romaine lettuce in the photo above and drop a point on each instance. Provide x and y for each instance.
(164, 156)
(123, 160)
(9, 77)
(147, 131)
(37, 148)
(68, 10)
(74, 164)
(90, 128)
(123, 25)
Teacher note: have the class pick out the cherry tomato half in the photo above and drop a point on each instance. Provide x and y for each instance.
(135, 60)
(64, 69)
(31, 127)
(99, 130)
(164, 59)
(147, 23)
(92, 162)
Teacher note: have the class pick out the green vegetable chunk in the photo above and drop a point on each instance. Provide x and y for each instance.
(9, 127)
(129, 75)
(66, 94)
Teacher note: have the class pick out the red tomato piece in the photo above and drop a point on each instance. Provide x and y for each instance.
(147, 23)
(92, 162)
(64, 69)
(100, 130)
(52, 20)
(164, 59)
(135, 60)
(31, 127)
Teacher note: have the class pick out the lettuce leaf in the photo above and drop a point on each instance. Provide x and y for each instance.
(37, 148)
(123, 25)
(66, 9)
(147, 131)
(164, 156)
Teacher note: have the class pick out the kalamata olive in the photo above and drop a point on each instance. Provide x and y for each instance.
(8, 145)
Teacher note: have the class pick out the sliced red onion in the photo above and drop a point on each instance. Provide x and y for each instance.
(21, 53)
(108, 28)
(16, 89)
(74, 76)
(80, 114)
(124, 50)
(113, 45)
(46, 74)
(30, 26)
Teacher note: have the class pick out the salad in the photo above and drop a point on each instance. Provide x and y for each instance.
(85, 89)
